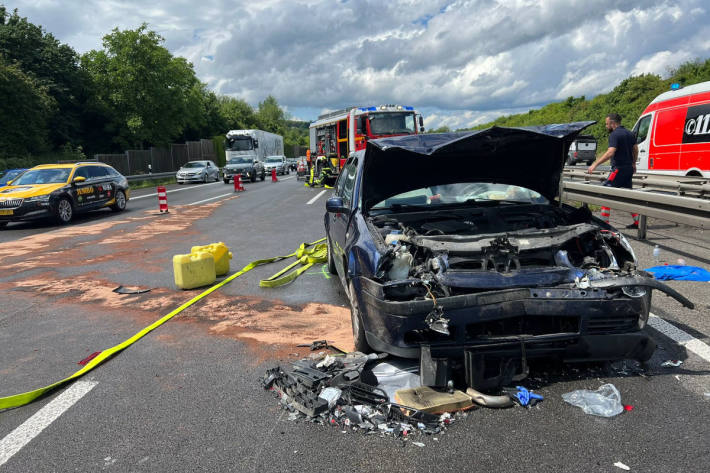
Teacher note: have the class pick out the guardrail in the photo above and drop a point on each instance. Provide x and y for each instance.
(148, 177)
(661, 200)
(684, 186)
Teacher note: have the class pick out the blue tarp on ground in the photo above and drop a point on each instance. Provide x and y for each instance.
(679, 273)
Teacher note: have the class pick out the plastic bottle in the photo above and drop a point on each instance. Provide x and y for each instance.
(656, 254)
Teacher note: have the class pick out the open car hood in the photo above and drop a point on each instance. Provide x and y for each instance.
(531, 157)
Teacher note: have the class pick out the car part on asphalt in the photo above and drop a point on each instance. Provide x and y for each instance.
(125, 290)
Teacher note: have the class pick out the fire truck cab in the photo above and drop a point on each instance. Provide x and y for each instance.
(337, 134)
(673, 133)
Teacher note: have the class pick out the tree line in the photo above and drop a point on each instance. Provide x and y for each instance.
(130, 94)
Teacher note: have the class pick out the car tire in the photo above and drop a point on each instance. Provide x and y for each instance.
(226, 181)
(64, 211)
(180, 183)
(359, 339)
(204, 179)
(589, 163)
(252, 177)
(263, 175)
(120, 201)
(331, 261)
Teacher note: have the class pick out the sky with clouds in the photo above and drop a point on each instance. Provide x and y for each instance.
(461, 63)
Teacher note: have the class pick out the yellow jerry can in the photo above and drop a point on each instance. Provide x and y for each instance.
(221, 254)
(194, 270)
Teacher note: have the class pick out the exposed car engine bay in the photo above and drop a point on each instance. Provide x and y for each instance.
(498, 245)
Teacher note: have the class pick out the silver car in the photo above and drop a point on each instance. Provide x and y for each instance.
(197, 171)
(276, 162)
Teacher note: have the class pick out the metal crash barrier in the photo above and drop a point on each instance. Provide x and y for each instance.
(666, 199)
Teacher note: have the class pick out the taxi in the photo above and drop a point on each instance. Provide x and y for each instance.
(60, 191)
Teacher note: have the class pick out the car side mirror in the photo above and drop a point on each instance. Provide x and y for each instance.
(335, 205)
(256, 161)
(78, 180)
(256, 144)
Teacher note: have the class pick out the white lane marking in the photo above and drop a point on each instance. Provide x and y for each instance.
(211, 198)
(176, 190)
(316, 197)
(680, 337)
(286, 178)
(33, 426)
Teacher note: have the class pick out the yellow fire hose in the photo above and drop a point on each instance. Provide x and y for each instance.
(304, 253)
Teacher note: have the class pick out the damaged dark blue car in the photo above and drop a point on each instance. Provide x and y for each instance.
(455, 249)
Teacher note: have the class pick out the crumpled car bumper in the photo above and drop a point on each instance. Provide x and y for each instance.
(572, 324)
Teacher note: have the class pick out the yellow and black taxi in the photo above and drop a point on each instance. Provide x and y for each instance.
(61, 190)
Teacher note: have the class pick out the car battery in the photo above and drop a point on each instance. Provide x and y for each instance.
(221, 255)
(194, 270)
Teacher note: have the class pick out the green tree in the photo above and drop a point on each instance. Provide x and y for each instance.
(53, 66)
(270, 115)
(151, 95)
(236, 114)
(26, 110)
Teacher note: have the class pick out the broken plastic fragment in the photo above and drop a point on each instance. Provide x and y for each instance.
(418, 444)
(331, 395)
(672, 363)
(622, 466)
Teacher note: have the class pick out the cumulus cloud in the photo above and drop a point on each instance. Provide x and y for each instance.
(461, 62)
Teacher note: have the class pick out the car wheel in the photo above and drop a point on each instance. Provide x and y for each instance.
(263, 175)
(589, 163)
(331, 262)
(204, 178)
(226, 181)
(252, 177)
(64, 211)
(359, 339)
(120, 203)
(180, 183)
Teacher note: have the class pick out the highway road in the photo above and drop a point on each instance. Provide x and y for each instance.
(187, 397)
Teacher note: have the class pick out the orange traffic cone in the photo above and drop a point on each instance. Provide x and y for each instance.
(238, 187)
(273, 175)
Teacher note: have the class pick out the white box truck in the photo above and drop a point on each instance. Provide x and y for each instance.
(246, 151)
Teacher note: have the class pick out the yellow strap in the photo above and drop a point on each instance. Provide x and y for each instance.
(307, 257)
(25, 398)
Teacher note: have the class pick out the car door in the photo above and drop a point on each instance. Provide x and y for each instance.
(102, 181)
(339, 222)
(641, 130)
(83, 192)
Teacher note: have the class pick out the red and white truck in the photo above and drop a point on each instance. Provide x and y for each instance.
(673, 133)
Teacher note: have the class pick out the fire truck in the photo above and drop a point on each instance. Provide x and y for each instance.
(336, 134)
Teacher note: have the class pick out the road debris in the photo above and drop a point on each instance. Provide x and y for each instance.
(343, 393)
(671, 363)
(622, 466)
(126, 290)
(604, 402)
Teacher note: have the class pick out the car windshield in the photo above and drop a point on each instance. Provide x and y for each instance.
(273, 159)
(391, 123)
(239, 161)
(9, 175)
(43, 176)
(467, 192)
(240, 143)
(195, 164)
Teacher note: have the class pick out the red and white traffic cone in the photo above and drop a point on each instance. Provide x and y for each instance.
(238, 187)
(273, 175)
(162, 199)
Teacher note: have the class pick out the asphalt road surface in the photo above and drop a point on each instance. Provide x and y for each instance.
(187, 398)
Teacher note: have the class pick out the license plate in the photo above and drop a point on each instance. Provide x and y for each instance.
(6, 212)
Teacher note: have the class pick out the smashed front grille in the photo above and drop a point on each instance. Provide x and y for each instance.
(612, 324)
(523, 325)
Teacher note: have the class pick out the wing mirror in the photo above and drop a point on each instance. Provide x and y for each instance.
(335, 205)
(78, 180)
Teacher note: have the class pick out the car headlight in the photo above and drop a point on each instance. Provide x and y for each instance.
(38, 198)
(627, 246)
